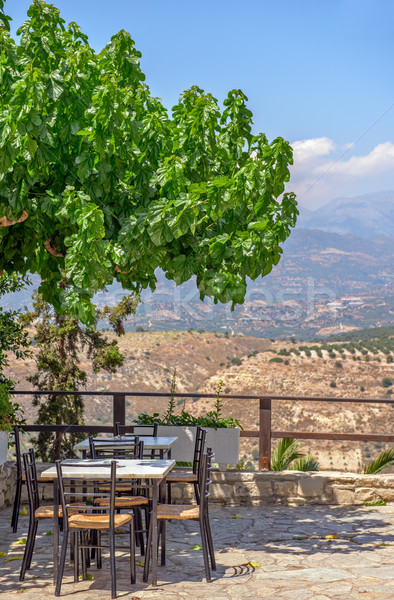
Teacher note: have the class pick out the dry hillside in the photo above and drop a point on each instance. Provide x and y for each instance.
(245, 366)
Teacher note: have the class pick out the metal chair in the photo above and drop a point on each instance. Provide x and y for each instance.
(36, 512)
(20, 481)
(197, 512)
(115, 449)
(78, 525)
(131, 495)
(145, 430)
(184, 477)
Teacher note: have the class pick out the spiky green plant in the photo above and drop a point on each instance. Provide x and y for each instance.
(306, 463)
(286, 452)
(384, 460)
(168, 415)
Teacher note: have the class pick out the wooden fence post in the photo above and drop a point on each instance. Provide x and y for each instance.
(119, 409)
(265, 435)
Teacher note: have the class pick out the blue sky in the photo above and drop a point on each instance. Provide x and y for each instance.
(316, 73)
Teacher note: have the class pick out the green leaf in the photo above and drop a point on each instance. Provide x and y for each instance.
(13, 558)
(197, 547)
(384, 460)
(21, 542)
(140, 563)
(2, 554)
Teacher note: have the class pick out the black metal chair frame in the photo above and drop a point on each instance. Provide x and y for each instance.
(29, 464)
(205, 529)
(199, 448)
(68, 487)
(125, 429)
(133, 451)
(19, 471)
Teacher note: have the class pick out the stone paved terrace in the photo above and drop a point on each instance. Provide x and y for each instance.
(298, 561)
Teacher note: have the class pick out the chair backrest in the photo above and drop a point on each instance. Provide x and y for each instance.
(146, 430)
(199, 448)
(75, 491)
(134, 449)
(205, 478)
(29, 464)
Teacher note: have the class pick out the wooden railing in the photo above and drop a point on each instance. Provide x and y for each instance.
(264, 433)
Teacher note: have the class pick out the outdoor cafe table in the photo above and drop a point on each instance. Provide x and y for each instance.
(111, 443)
(155, 470)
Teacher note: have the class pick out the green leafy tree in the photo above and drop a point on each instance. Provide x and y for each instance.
(14, 339)
(62, 342)
(98, 182)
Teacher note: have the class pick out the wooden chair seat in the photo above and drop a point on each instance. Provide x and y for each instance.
(82, 521)
(120, 488)
(123, 502)
(180, 512)
(39, 479)
(46, 512)
(179, 477)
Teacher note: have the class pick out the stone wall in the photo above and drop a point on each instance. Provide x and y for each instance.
(256, 488)
(293, 488)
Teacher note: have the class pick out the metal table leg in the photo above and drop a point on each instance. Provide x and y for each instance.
(154, 532)
(55, 529)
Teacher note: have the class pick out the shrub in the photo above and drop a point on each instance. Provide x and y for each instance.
(333, 384)
(305, 463)
(386, 382)
(338, 364)
(384, 460)
(286, 452)
(276, 359)
(236, 361)
(139, 328)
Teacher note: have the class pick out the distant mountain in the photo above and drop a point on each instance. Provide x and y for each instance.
(364, 216)
(323, 280)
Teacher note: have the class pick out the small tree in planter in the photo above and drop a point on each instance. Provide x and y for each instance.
(222, 436)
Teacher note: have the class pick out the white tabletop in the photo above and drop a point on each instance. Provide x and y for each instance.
(150, 443)
(145, 468)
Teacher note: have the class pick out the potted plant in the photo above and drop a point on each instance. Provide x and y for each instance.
(222, 432)
(10, 414)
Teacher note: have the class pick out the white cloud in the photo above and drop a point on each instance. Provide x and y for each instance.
(322, 170)
(380, 159)
(305, 150)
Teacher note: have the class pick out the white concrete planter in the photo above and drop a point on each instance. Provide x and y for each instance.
(3, 446)
(223, 441)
